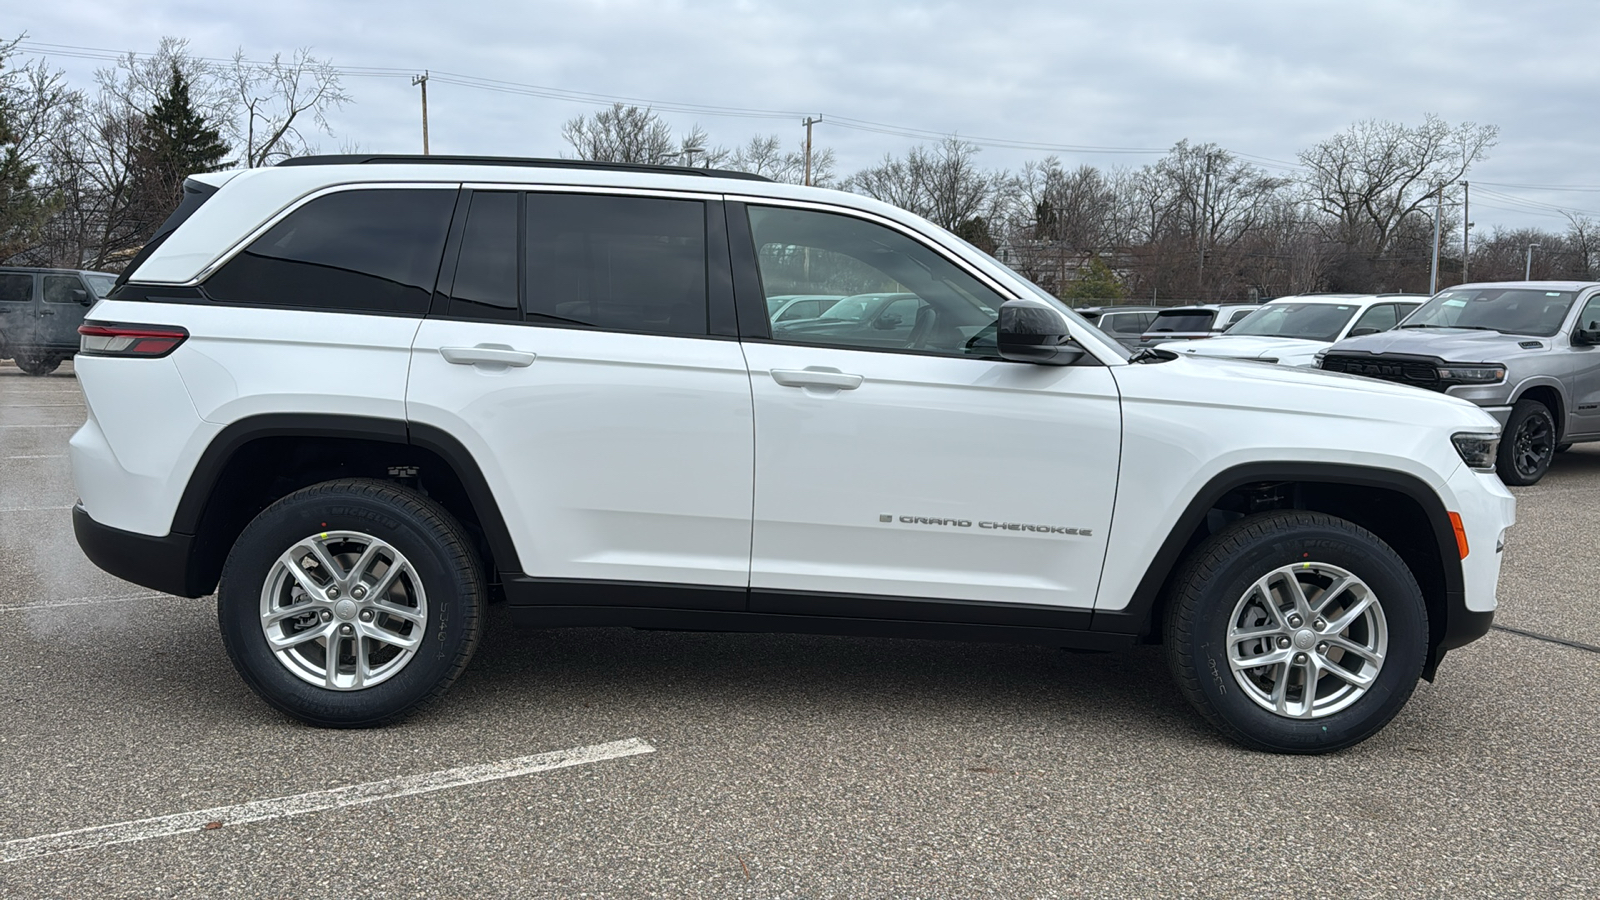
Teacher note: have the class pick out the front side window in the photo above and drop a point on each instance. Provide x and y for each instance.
(895, 293)
(100, 284)
(1508, 310)
(1306, 321)
(1381, 317)
(1589, 318)
(619, 263)
(360, 250)
(15, 288)
(64, 289)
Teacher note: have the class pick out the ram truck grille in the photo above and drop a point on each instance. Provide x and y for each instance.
(1415, 372)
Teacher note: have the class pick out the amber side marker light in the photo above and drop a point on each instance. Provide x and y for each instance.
(1461, 533)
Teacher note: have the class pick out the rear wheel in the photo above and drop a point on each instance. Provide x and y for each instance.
(351, 603)
(1528, 445)
(33, 362)
(1296, 632)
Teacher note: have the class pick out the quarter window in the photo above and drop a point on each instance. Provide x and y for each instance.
(368, 250)
(620, 263)
(896, 293)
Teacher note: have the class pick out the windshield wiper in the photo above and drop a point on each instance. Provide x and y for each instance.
(1463, 327)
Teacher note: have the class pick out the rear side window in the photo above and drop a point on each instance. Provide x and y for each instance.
(619, 263)
(361, 250)
(15, 288)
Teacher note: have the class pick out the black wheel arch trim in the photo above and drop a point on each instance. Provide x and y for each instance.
(1456, 631)
(203, 480)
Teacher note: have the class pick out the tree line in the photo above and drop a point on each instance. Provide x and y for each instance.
(87, 175)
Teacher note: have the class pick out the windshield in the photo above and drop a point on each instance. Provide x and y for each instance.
(1306, 321)
(1508, 310)
(100, 284)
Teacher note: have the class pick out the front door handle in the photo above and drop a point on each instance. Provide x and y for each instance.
(816, 377)
(487, 355)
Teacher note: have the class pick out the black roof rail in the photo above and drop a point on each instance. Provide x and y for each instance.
(361, 159)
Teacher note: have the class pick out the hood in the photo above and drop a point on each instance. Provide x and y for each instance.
(1247, 346)
(1460, 345)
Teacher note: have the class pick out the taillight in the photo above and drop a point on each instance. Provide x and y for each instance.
(143, 341)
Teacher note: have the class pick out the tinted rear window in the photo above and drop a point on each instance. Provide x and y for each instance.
(486, 272)
(1199, 320)
(366, 250)
(620, 263)
(15, 288)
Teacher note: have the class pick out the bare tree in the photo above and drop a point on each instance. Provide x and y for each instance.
(764, 155)
(943, 184)
(624, 134)
(1369, 179)
(276, 99)
(34, 103)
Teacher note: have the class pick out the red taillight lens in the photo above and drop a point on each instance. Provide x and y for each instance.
(144, 341)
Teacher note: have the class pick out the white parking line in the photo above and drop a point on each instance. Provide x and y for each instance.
(79, 601)
(316, 801)
(31, 508)
(41, 456)
(79, 425)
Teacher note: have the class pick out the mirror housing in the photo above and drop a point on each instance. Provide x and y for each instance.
(1365, 329)
(83, 296)
(1032, 332)
(1586, 337)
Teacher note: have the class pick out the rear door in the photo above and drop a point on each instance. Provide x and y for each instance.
(17, 316)
(583, 350)
(927, 470)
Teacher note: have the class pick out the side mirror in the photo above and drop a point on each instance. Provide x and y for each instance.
(1586, 337)
(1364, 329)
(82, 296)
(1029, 331)
(887, 322)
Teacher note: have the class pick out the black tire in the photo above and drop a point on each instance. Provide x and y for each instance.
(1528, 444)
(440, 555)
(1210, 588)
(33, 363)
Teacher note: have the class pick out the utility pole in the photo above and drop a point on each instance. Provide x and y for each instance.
(423, 81)
(1527, 273)
(1438, 210)
(808, 123)
(1466, 228)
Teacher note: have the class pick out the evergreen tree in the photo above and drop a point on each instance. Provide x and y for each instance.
(177, 142)
(21, 211)
(1096, 281)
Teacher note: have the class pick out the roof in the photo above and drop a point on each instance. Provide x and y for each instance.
(367, 159)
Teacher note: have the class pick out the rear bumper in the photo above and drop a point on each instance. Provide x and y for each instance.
(159, 563)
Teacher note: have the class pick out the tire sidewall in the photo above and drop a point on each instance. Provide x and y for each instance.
(1403, 608)
(451, 623)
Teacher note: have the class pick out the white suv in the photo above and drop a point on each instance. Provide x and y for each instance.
(361, 397)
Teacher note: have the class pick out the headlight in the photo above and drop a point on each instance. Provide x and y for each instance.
(1477, 450)
(1473, 374)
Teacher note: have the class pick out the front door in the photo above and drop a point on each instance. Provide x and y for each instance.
(574, 361)
(1585, 375)
(930, 469)
(65, 299)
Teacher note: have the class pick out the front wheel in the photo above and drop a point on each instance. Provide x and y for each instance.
(1296, 632)
(1528, 445)
(351, 603)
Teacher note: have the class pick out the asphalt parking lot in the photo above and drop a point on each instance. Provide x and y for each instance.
(764, 766)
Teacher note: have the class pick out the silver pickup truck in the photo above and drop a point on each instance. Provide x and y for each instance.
(1528, 352)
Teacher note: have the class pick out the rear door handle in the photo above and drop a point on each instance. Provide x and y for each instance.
(816, 377)
(487, 355)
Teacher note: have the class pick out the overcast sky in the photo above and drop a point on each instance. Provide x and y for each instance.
(1264, 78)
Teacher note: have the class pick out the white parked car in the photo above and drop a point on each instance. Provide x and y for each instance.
(1291, 330)
(360, 396)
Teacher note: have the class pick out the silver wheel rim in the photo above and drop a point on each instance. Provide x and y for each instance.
(1307, 640)
(343, 610)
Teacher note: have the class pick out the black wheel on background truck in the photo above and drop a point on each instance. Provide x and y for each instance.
(1528, 444)
(1296, 632)
(351, 603)
(34, 362)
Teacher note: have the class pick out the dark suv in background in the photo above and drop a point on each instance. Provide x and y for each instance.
(40, 311)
